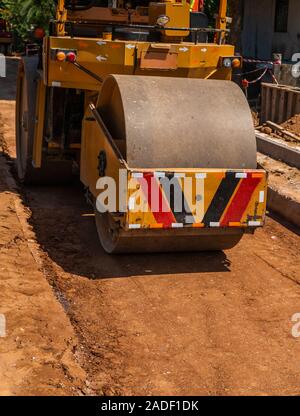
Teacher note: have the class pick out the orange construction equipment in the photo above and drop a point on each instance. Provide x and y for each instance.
(138, 101)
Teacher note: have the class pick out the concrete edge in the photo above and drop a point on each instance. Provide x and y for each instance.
(287, 208)
(277, 151)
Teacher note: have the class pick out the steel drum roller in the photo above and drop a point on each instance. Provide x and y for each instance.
(176, 123)
(179, 122)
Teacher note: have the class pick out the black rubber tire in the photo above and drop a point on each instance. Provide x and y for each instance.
(51, 172)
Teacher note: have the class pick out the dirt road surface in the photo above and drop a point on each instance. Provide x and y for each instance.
(217, 323)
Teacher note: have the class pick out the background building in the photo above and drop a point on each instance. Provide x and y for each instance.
(270, 26)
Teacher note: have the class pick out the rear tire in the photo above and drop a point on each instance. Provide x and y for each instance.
(51, 172)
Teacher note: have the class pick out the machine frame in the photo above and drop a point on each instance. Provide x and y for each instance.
(68, 77)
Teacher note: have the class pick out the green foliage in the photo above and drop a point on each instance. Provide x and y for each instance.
(25, 16)
(211, 8)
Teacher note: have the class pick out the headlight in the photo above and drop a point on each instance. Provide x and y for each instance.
(162, 20)
(227, 62)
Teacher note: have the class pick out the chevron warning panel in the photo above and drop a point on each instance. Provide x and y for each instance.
(212, 198)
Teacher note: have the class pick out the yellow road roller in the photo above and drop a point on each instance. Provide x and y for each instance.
(136, 97)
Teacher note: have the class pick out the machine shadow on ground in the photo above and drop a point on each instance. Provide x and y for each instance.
(284, 223)
(65, 229)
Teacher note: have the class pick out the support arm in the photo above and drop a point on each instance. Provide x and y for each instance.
(61, 16)
(221, 19)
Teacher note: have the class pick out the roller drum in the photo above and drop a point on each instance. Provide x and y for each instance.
(175, 123)
(179, 122)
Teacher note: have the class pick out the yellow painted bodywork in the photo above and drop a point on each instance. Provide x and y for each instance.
(178, 13)
(142, 215)
(39, 131)
(222, 16)
(61, 16)
(104, 57)
(207, 187)
(221, 21)
(93, 141)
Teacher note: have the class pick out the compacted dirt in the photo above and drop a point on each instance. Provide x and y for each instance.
(282, 178)
(290, 126)
(293, 125)
(39, 354)
(212, 323)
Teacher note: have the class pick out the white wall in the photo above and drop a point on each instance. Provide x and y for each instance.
(259, 39)
(289, 43)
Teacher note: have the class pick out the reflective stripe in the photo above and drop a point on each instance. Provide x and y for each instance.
(199, 225)
(254, 223)
(214, 224)
(159, 174)
(177, 225)
(235, 224)
(262, 196)
(156, 226)
(241, 175)
(134, 226)
(131, 204)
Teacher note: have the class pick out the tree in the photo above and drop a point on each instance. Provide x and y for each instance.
(236, 11)
(211, 8)
(25, 16)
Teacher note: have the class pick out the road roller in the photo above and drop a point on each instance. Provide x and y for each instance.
(136, 99)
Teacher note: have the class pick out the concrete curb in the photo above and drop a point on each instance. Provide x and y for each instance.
(287, 208)
(276, 150)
